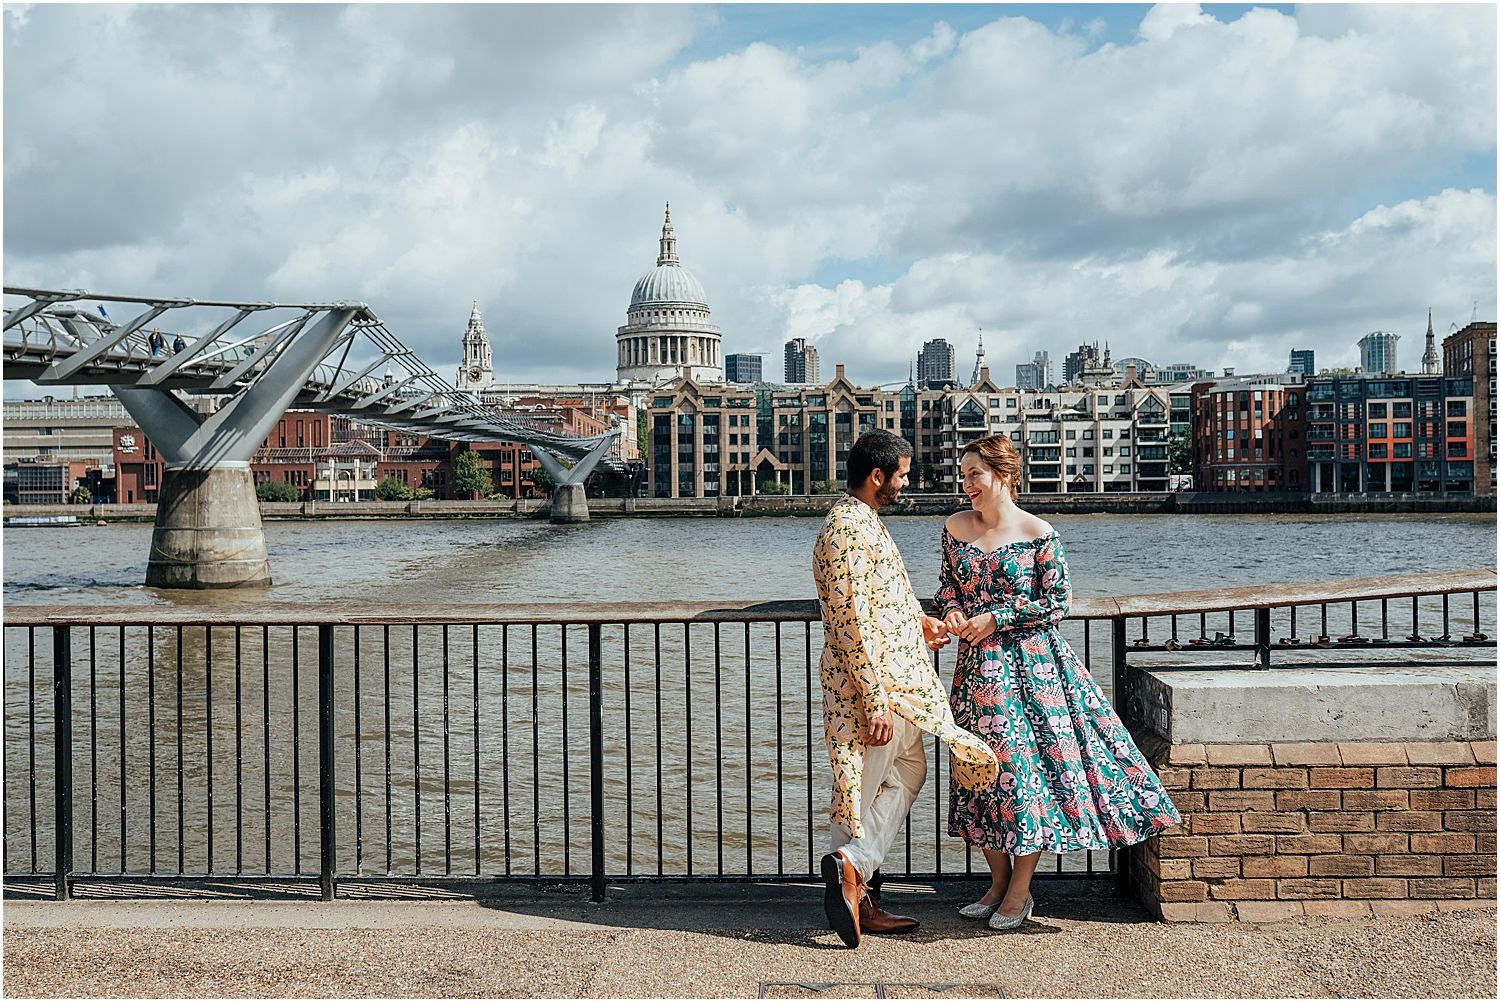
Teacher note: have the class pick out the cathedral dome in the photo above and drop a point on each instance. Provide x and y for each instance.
(669, 281)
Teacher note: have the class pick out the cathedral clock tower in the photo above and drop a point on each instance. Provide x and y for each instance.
(476, 371)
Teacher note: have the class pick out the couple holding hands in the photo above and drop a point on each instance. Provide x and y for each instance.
(1040, 762)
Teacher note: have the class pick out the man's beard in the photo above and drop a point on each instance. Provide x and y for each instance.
(887, 493)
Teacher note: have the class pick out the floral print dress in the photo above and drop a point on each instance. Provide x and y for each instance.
(1070, 777)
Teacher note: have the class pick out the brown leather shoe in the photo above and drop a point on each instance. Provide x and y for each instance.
(842, 892)
(876, 921)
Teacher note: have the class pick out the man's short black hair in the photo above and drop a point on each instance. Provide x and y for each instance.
(876, 449)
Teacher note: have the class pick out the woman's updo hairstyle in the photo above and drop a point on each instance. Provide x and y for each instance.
(999, 453)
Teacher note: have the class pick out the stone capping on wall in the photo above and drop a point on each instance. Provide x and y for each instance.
(1275, 831)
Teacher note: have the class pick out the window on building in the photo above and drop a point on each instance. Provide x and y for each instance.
(1458, 429)
(1109, 452)
(1109, 467)
(1124, 451)
(1107, 433)
(1124, 467)
(1378, 430)
(1401, 409)
(1401, 450)
(1119, 400)
(1071, 453)
(1457, 408)
(1401, 429)
(1088, 434)
(1088, 451)
(1377, 410)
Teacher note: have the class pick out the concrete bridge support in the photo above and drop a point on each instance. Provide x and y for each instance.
(208, 529)
(570, 504)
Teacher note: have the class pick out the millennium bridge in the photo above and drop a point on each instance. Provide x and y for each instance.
(337, 357)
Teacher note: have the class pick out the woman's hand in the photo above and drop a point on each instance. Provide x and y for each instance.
(955, 622)
(976, 629)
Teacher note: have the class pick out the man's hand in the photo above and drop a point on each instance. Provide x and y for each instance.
(955, 622)
(878, 729)
(935, 633)
(981, 626)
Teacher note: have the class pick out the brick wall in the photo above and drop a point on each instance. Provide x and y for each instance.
(1274, 831)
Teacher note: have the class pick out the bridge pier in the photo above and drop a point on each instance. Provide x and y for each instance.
(208, 531)
(569, 505)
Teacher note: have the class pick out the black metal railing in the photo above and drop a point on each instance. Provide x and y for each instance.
(597, 744)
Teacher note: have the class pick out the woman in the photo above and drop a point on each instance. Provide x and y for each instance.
(1070, 776)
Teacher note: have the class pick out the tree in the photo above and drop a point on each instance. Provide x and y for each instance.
(80, 495)
(392, 489)
(277, 490)
(772, 487)
(542, 480)
(826, 487)
(642, 432)
(1180, 453)
(469, 475)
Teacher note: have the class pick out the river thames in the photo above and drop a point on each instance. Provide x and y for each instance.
(421, 562)
(465, 748)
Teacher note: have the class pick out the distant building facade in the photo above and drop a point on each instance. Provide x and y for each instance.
(1250, 434)
(1035, 374)
(1470, 353)
(800, 362)
(936, 363)
(1377, 352)
(1302, 362)
(743, 368)
(477, 370)
(1401, 434)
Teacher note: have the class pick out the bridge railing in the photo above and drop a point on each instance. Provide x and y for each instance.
(318, 748)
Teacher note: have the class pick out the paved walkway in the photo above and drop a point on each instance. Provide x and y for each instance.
(721, 941)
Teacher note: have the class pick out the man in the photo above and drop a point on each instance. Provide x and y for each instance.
(880, 692)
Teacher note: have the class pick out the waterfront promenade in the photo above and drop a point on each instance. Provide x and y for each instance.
(733, 942)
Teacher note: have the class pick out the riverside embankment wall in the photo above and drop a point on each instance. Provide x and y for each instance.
(816, 505)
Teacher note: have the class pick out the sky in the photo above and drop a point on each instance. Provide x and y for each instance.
(1213, 185)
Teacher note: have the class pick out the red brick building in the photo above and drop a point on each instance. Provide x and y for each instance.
(1249, 435)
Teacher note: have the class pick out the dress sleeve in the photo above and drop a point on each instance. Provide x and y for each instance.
(946, 599)
(848, 568)
(1052, 592)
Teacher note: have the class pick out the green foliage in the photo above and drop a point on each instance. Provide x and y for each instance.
(827, 487)
(1180, 453)
(422, 494)
(392, 489)
(277, 490)
(642, 429)
(772, 487)
(542, 480)
(469, 476)
(80, 495)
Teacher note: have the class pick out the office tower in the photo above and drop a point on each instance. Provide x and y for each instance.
(801, 361)
(1302, 363)
(743, 368)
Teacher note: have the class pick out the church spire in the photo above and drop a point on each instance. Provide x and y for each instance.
(979, 363)
(668, 241)
(1430, 362)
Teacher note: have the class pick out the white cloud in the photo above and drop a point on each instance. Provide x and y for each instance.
(1205, 184)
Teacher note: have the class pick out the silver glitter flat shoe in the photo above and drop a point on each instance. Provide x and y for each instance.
(978, 910)
(1001, 922)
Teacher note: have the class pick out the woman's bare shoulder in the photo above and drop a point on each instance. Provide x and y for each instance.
(960, 524)
(1035, 527)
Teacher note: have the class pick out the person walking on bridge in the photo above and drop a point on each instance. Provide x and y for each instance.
(880, 692)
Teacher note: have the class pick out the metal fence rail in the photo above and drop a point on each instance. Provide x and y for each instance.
(598, 743)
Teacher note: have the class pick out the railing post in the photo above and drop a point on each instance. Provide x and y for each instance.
(1263, 638)
(62, 747)
(1121, 663)
(327, 827)
(596, 760)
